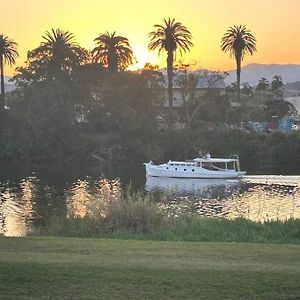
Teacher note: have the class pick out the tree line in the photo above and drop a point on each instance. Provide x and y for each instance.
(59, 53)
(76, 107)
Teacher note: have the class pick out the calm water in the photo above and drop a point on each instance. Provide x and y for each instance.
(32, 202)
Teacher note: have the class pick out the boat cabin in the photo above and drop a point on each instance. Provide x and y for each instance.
(215, 164)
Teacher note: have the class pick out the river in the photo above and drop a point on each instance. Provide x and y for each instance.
(32, 201)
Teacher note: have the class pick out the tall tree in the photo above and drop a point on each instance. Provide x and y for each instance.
(277, 84)
(8, 54)
(263, 84)
(238, 40)
(170, 37)
(57, 54)
(247, 89)
(113, 51)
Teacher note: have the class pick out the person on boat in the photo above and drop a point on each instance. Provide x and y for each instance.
(207, 156)
(200, 153)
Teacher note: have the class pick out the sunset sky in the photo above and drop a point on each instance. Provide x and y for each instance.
(275, 24)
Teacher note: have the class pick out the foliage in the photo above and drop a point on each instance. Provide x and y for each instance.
(279, 109)
(137, 218)
(277, 86)
(263, 84)
(136, 213)
(211, 107)
(256, 151)
(155, 84)
(57, 55)
(112, 51)
(124, 99)
(8, 54)
(238, 41)
(172, 36)
(246, 89)
(43, 120)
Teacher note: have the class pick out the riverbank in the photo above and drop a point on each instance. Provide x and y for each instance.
(72, 268)
(187, 227)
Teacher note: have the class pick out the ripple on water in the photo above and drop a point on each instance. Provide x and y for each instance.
(230, 199)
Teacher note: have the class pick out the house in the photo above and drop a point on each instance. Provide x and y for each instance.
(295, 101)
(191, 85)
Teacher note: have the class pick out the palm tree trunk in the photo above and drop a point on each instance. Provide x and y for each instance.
(112, 61)
(2, 97)
(238, 77)
(170, 87)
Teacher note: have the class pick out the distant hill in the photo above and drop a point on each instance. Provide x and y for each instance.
(292, 85)
(291, 89)
(253, 72)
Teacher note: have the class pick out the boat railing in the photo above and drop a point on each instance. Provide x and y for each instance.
(237, 161)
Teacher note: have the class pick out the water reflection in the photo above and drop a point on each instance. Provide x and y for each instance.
(259, 201)
(91, 198)
(190, 187)
(265, 203)
(17, 208)
(30, 204)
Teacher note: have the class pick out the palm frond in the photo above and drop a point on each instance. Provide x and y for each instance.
(238, 41)
(112, 51)
(8, 49)
(171, 36)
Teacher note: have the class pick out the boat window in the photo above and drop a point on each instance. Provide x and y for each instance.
(175, 169)
(193, 170)
(167, 167)
(184, 170)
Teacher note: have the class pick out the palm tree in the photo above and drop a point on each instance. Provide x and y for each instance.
(8, 54)
(57, 53)
(113, 51)
(170, 37)
(238, 40)
(277, 83)
(263, 84)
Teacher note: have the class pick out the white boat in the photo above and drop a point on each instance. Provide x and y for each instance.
(197, 168)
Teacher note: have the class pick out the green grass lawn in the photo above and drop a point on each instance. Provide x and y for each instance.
(74, 268)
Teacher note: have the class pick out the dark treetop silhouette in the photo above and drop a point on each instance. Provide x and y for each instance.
(8, 54)
(238, 40)
(113, 51)
(57, 54)
(170, 37)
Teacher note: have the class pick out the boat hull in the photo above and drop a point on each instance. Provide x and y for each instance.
(189, 172)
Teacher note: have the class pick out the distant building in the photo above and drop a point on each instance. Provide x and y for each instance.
(295, 101)
(205, 82)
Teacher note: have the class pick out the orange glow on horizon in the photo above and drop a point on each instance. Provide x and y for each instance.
(141, 57)
(275, 24)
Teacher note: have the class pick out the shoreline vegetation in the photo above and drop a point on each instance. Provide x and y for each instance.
(105, 210)
(187, 228)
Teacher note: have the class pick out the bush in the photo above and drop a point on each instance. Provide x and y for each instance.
(133, 213)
